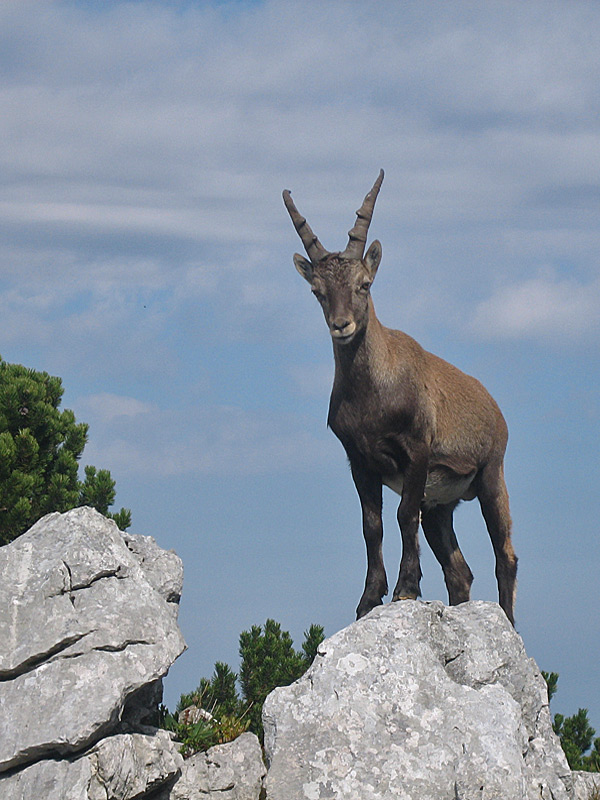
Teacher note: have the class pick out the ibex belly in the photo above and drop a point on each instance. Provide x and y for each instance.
(442, 486)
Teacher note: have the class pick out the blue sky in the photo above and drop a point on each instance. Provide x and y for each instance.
(146, 258)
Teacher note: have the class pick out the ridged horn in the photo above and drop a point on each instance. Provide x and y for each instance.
(314, 248)
(357, 237)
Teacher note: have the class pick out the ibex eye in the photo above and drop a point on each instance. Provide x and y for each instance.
(365, 287)
(318, 295)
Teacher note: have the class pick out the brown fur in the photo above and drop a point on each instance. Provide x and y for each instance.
(409, 420)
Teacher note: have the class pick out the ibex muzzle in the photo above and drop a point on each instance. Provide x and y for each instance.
(408, 420)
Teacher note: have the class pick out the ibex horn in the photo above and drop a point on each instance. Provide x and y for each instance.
(312, 245)
(358, 234)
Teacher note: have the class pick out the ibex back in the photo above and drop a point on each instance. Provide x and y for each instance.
(409, 420)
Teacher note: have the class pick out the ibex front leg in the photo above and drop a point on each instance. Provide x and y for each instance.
(369, 488)
(415, 477)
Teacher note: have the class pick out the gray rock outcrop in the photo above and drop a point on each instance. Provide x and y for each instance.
(134, 766)
(122, 766)
(232, 771)
(82, 631)
(586, 785)
(88, 629)
(417, 701)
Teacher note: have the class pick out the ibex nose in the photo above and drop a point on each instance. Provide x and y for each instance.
(340, 324)
(342, 328)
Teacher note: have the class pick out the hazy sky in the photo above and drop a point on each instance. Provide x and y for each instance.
(146, 258)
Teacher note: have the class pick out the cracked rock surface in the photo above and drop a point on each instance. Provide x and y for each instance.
(87, 620)
(123, 766)
(585, 785)
(232, 771)
(417, 701)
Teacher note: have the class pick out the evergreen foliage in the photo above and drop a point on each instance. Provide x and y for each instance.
(551, 679)
(98, 491)
(40, 447)
(268, 660)
(575, 733)
(223, 715)
(218, 693)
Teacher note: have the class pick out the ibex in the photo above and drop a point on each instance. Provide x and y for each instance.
(409, 420)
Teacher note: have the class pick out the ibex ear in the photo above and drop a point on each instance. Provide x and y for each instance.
(304, 267)
(373, 257)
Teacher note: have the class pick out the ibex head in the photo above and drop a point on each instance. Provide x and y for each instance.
(340, 281)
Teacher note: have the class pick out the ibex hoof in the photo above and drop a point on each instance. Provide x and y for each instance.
(404, 597)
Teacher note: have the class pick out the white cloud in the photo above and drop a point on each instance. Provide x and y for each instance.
(544, 306)
(106, 407)
(206, 440)
(148, 144)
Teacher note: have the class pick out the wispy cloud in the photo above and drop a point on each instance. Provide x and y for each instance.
(541, 307)
(106, 407)
(147, 146)
(129, 436)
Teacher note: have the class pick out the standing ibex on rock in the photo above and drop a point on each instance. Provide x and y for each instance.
(409, 420)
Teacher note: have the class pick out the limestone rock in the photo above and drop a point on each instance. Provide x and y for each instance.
(232, 771)
(83, 629)
(585, 785)
(192, 715)
(119, 767)
(162, 568)
(127, 766)
(417, 701)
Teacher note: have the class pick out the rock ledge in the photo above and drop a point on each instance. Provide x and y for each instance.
(421, 702)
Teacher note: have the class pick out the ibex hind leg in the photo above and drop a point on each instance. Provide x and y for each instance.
(493, 498)
(437, 526)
